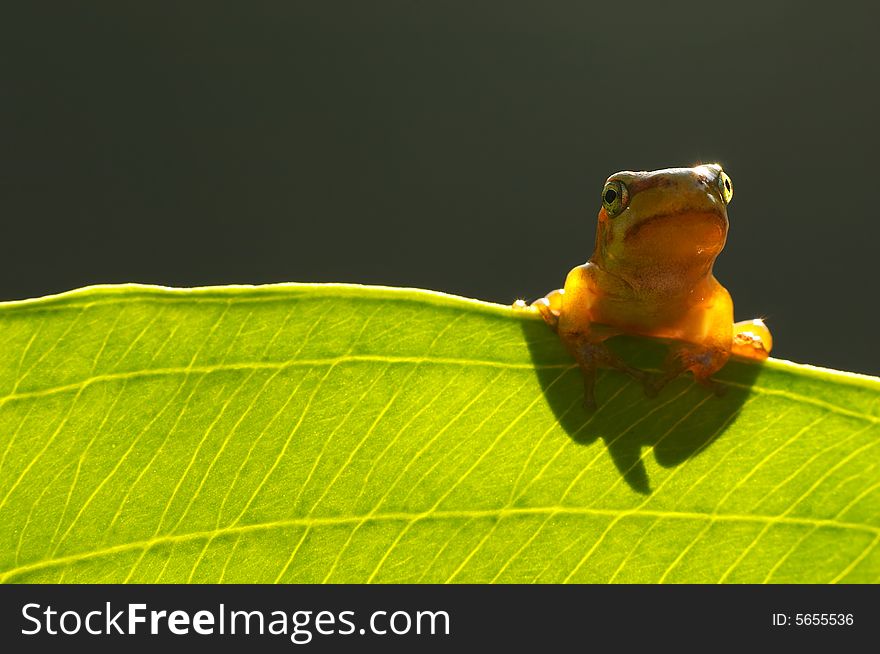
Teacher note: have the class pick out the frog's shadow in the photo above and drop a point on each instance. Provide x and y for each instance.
(682, 421)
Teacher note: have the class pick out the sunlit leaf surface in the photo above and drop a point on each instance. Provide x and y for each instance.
(303, 433)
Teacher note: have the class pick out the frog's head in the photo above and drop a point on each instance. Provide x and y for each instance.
(670, 219)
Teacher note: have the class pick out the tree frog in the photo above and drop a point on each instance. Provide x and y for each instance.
(658, 235)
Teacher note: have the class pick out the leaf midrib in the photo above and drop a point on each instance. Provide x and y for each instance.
(375, 358)
(497, 514)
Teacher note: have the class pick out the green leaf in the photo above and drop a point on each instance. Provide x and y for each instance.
(309, 433)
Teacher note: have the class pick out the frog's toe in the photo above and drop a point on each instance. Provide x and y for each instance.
(751, 340)
(716, 387)
(543, 307)
(588, 374)
(652, 385)
(549, 306)
(589, 403)
(702, 362)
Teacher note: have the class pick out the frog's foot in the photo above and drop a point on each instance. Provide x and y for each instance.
(591, 356)
(548, 306)
(751, 340)
(703, 362)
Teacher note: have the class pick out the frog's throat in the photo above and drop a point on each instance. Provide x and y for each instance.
(628, 277)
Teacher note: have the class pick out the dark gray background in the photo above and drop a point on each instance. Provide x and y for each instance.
(454, 146)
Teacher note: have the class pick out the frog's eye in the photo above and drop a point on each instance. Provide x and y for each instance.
(726, 187)
(615, 197)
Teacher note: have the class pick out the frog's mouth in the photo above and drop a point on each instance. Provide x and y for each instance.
(680, 234)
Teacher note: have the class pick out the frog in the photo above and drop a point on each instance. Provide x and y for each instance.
(651, 275)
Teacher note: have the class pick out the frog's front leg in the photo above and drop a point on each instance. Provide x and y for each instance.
(582, 337)
(591, 353)
(750, 340)
(703, 343)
